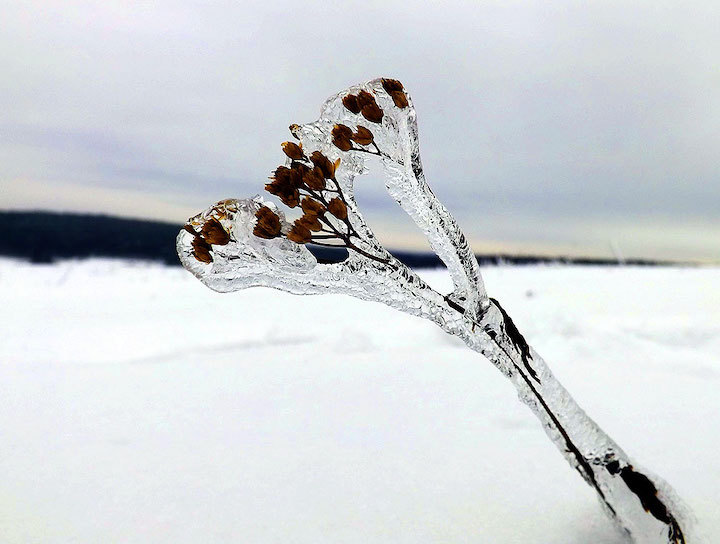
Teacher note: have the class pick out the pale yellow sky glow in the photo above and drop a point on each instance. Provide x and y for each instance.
(581, 238)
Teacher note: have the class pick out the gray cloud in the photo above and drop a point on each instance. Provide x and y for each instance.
(554, 128)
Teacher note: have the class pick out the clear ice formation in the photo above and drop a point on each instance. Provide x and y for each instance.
(225, 250)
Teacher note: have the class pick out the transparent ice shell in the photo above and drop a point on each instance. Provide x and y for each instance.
(644, 506)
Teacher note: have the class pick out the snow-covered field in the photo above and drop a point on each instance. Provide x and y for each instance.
(138, 406)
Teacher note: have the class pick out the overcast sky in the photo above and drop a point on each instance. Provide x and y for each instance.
(572, 128)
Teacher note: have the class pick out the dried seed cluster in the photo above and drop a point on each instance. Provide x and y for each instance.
(343, 137)
(364, 103)
(212, 233)
(309, 183)
(396, 91)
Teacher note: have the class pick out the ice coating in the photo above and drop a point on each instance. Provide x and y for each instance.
(220, 247)
(397, 138)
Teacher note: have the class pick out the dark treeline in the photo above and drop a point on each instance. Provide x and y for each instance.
(45, 237)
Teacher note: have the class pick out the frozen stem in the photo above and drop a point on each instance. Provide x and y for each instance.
(244, 243)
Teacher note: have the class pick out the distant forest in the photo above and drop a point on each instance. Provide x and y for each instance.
(46, 237)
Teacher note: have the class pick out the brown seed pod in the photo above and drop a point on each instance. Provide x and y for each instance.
(291, 200)
(286, 182)
(201, 250)
(400, 99)
(396, 91)
(189, 229)
(341, 135)
(289, 195)
(297, 174)
(267, 225)
(281, 176)
(391, 85)
(311, 222)
(314, 179)
(351, 103)
(363, 136)
(214, 233)
(312, 207)
(322, 162)
(364, 98)
(342, 130)
(293, 150)
(338, 208)
(342, 144)
(372, 112)
(299, 233)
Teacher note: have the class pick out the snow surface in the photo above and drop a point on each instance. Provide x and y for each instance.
(139, 406)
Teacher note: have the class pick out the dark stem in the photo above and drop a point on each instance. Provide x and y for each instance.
(352, 246)
(582, 462)
(651, 503)
(568, 442)
(361, 150)
(583, 466)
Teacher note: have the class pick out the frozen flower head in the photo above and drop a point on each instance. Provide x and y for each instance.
(268, 224)
(241, 243)
(253, 250)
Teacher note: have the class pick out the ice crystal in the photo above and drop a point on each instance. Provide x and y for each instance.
(261, 247)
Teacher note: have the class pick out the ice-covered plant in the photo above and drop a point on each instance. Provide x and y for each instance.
(237, 244)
